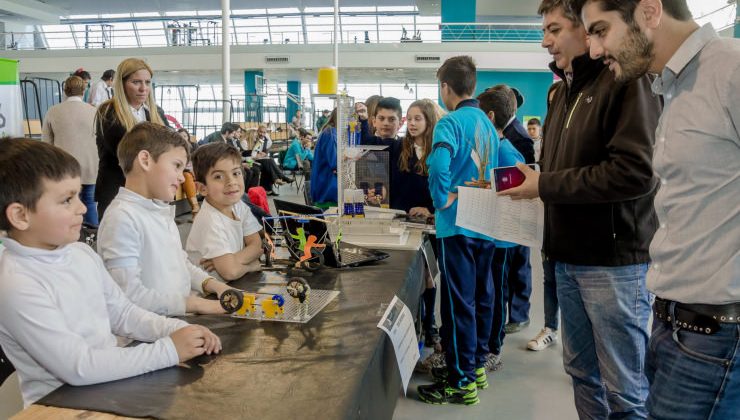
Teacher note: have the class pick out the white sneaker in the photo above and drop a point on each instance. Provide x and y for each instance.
(544, 339)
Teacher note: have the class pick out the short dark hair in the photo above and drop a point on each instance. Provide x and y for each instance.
(677, 9)
(390, 103)
(302, 132)
(501, 100)
(84, 74)
(549, 6)
(108, 74)
(206, 157)
(460, 74)
(229, 127)
(154, 138)
(534, 121)
(24, 165)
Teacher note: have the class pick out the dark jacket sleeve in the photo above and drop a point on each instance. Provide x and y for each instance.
(160, 111)
(627, 172)
(517, 135)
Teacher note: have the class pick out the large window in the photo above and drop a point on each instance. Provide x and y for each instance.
(249, 27)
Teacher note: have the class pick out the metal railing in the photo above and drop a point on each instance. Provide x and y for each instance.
(208, 33)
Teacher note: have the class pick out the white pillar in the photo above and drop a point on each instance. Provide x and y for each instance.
(336, 35)
(225, 57)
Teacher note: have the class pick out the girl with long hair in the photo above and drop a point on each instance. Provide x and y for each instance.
(411, 185)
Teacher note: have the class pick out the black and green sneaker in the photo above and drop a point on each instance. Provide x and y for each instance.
(481, 380)
(444, 393)
(440, 374)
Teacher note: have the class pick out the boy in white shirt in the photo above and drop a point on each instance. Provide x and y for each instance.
(59, 307)
(225, 234)
(138, 239)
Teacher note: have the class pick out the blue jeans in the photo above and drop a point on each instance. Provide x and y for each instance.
(518, 285)
(693, 375)
(87, 196)
(551, 294)
(605, 313)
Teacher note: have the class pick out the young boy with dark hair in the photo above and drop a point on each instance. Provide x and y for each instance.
(138, 239)
(387, 119)
(60, 311)
(465, 146)
(225, 234)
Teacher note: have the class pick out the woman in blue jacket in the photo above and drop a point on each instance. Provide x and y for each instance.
(324, 171)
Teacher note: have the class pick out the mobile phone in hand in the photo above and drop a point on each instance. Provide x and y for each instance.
(507, 177)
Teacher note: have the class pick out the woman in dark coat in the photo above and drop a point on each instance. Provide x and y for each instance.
(131, 104)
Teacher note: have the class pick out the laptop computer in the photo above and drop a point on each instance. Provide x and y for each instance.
(346, 256)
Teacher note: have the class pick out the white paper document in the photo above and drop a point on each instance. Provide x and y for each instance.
(398, 323)
(500, 217)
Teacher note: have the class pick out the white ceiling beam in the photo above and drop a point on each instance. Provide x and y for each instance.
(32, 10)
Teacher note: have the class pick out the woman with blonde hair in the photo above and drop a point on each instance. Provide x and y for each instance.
(132, 104)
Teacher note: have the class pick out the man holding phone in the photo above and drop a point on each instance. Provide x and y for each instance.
(597, 185)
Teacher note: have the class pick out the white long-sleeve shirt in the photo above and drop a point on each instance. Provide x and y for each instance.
(99, 93)
(142, 250)
(59, 311)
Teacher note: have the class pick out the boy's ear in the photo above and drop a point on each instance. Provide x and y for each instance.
(18, 216)
(144, 159)
(491, 116)
(202, 188)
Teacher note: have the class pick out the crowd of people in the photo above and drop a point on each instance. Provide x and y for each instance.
(640, 190)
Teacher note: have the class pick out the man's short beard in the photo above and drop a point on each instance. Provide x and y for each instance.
(635, 56)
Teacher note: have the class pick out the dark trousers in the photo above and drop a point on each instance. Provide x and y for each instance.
(430, 295)
(518, 285)
(251, 177)
(500, 272)
(270, 172)
(466, 307)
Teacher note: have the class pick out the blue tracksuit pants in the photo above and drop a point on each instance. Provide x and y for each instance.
(466, 304)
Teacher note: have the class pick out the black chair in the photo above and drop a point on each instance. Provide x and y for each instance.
(6, 368)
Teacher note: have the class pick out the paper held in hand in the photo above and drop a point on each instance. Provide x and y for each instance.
(500, 217)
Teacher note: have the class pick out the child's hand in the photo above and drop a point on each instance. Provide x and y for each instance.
(254, 266)
(207, 264)
(198, 305)
(419, 212)
(211, 307)
(194, 340)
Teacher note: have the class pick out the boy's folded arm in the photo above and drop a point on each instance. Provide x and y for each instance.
(234, 265)
(37, 325)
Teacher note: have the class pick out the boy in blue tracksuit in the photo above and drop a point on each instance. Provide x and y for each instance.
(499, 105)
(464, 143)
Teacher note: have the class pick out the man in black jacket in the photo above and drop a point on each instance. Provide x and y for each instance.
(597, 185)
